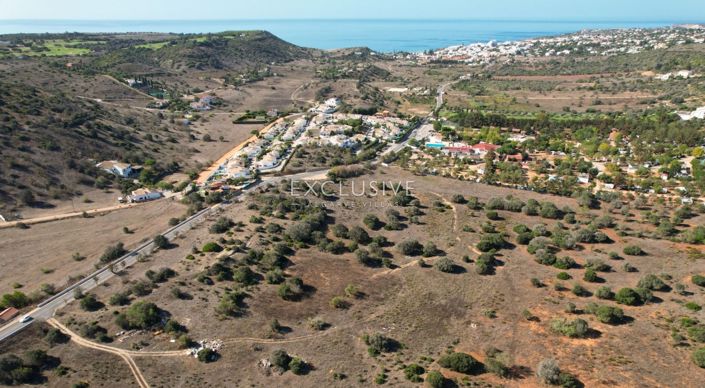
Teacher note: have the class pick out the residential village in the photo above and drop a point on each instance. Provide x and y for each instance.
(587, 42)
(513, 161)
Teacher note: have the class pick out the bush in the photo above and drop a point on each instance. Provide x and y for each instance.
(413, 373)
(221, 225)
(609, 314)
(699, 357)
(627, 296)
(207, 355)
(698, 280)
(410, 247)
(633, 250)
(430, 249)
(298, 366)
(378, 343)
(577, 328)
(435, 379)
(359, 235)
(563, 276)
(548, 372)
(590, 275)
(90, 303)
(141, 315)
(461, 363)
(211, 247)
(604, 292)
(445, 264)
(652, 282)
(492, 215)
(113, 253)
(160, 241)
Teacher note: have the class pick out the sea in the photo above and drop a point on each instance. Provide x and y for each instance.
(380, 35)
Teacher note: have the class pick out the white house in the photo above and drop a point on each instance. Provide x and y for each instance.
(143, 195)
(123, 170)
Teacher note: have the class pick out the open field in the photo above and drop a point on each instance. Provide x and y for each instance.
(426, 310)
(43, 253)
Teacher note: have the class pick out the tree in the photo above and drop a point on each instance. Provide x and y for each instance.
(161, 241)
(141, 315)
(461, 363)
(298, 366)
(113, 253)
(90, 303)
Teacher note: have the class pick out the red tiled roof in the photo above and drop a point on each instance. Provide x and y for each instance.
(8, 314)
(485, 147)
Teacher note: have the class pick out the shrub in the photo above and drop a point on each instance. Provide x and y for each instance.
(604, 292)
(413, 373)
(692, 306)
(372, 222)
(113, 253)
(548, 372)
(338, 303)
(430, 249)
(378, 343)
(633, 250)
(490, 242)
(359, 235)
(609, 314)
(141, 315)
(577, 328)
(461, 363)
(590, 275)
(697, 333)
(492, 215)
(445, 264)
(211, 247)
(207, 355)
(298, 366)
(90, 303)
(160, 241)
(435, 379)
(410, 247)
(563, 276)
(221, 225)
(698, 280)
(652, 282)
(699, 357)
(627, 296)
(524, 238)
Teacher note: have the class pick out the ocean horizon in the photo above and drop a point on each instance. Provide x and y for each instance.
(384, 35)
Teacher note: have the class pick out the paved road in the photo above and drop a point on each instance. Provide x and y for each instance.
(46, 309)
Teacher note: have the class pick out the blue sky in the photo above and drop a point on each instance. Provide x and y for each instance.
(574, 10)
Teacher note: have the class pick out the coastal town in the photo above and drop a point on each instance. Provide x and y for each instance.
(589, 42)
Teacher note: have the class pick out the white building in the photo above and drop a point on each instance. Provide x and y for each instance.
(143, 195)
(123, 170)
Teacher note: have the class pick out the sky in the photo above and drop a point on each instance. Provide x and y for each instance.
(572, 10)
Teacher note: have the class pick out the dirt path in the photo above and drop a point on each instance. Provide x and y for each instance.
(141, 381)
(455, 212)
(90, 212)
